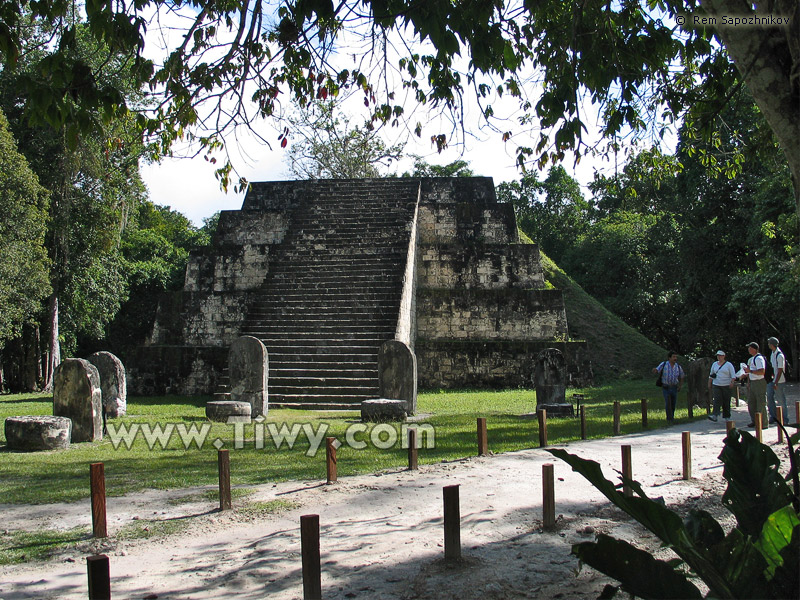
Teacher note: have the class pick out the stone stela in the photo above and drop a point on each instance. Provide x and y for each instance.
(324, 273)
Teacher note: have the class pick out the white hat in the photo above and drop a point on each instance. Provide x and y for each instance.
(720, 353)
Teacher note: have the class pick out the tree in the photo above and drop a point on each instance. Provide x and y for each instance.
(23, 222)
(553, 212)
(154, 250)
(628, 57)
(457, 168)
(329, 147)
(94, 183)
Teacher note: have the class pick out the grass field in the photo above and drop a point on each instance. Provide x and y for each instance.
(63, 476)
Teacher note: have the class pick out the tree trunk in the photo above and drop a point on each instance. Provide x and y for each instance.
(54, 347)
(769, 60)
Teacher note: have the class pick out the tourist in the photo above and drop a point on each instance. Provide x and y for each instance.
(720, 383)
(671, 382)
(775, 389)
(756, 385)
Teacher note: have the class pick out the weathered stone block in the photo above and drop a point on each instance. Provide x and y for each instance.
(557, 411)
(77, 395)
(113, 385)
(550, 377)
(248, 368)
(697, 382)
(228, 411)
(381, 410)
(31, 433)
(397, 373)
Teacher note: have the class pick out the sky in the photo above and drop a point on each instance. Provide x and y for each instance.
(188, 184)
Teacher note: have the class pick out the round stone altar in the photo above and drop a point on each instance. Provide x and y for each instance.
(222, 410)
(382, 410)
(41, 432)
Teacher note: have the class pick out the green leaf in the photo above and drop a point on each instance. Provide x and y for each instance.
(776, 535)
(703, 529)
(656, 517)
(755, 486)
(639, 573)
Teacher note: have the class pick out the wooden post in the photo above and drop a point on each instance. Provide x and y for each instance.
(224, 468)
(686, 440)
(759, 426)
(627, 469)
(644, 413)
(779, 418)
(583, 421)
(542, 414)
(99, 577)
(309, 551)
(483, 439)
(548, 498)
(330, 458)
(412, 449)
(617, 415)
(97, 480)
(729, 426)
(452, 523)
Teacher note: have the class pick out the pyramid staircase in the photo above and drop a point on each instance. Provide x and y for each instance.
(332, 294)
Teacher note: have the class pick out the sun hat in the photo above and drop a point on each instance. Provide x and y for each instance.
(720, 353)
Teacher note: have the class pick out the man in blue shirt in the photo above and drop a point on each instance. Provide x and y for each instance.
(672, 380)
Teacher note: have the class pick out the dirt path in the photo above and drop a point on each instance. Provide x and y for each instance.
(381, 535)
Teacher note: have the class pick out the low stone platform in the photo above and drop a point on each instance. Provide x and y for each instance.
(32, 433)
(557, 410)
(222, 410)
(381, 410)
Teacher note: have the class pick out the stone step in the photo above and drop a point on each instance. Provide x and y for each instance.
(289, 295)
(343, 253)
(292, 360)
(337, 261)
(334, 381)
(324, 390)
(281, 338)
(332, 406)
(353, 370)
(311, 323)
(300, 284)
(312, 346)
(322, 402)
(307, 348)
(354, 304)
(323, 274)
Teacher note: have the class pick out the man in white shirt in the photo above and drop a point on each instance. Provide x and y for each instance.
(775, 389)
(756, 385)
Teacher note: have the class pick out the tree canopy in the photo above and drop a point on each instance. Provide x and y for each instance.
(645, 64)
(24, 267)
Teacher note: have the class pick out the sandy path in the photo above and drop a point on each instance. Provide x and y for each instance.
(381, 535)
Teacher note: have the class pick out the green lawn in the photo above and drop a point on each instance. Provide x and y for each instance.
(63, 476)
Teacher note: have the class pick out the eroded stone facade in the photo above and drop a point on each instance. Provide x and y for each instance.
(469, 298)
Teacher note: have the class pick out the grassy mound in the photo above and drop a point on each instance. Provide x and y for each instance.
(616, 349)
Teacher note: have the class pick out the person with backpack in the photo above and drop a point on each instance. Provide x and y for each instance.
(756, 385)
(671, 376)
(720, 383)
(776, 388)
